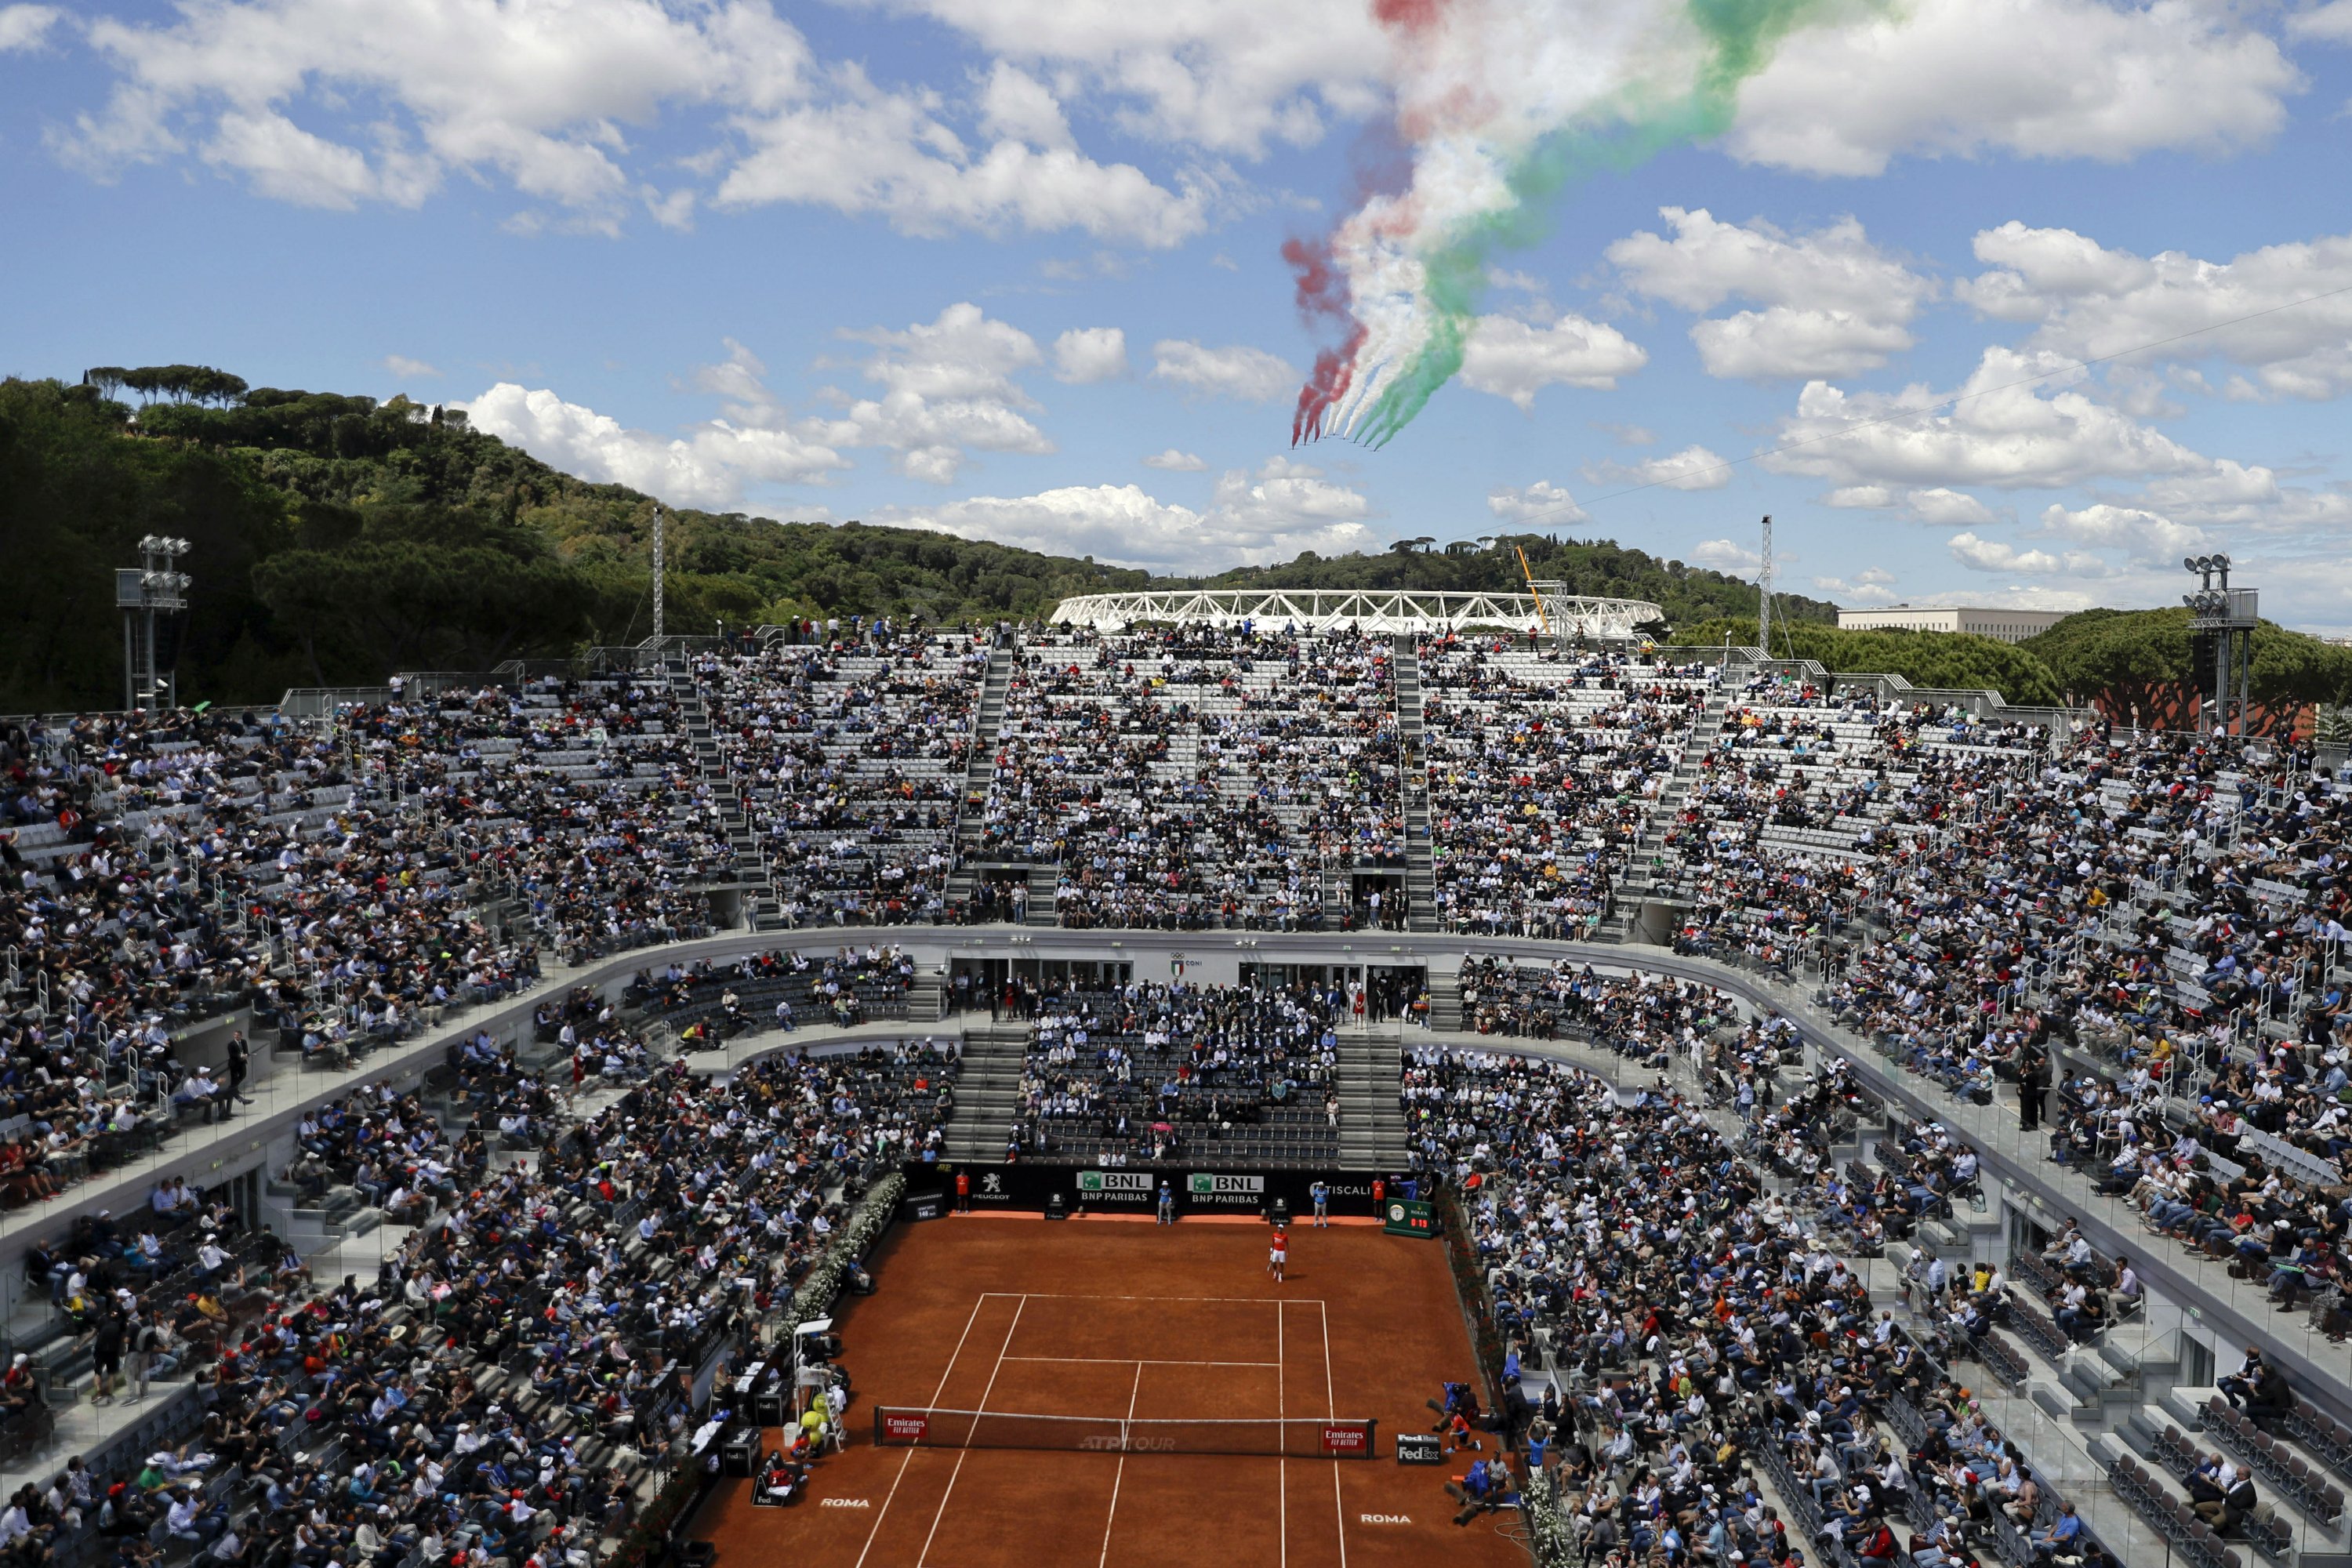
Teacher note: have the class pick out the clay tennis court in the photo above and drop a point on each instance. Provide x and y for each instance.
(1123, 1322)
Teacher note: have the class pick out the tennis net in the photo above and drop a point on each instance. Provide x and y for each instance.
(1294, 1438)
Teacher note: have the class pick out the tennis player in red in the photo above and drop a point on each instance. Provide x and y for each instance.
(1275, 1254)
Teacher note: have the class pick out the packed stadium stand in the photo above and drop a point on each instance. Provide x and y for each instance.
(1883, 1124)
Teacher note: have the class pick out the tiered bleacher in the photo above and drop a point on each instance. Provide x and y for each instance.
(1691, 1332)
(524, 1356)
(1190, 778)
(849, 758)
(1542, 768)
(1147, 1074)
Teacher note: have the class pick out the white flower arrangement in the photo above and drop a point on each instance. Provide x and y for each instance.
(817, 1292)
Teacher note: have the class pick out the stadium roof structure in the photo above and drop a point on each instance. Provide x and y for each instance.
(1375, 611)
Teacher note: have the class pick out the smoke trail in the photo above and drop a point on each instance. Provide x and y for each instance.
(1504, 103)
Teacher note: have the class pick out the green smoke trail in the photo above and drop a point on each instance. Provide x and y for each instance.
(1740, 35)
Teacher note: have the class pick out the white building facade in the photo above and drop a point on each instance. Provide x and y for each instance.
(2006, 625)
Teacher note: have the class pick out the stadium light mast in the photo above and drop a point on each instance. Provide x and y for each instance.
(2227, 616)
(155, 587)
(1764, 592)
(657, 577)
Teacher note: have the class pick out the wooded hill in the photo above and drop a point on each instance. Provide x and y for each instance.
(336, 539)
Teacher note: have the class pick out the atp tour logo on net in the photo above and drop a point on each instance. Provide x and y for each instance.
(1116, 1187)
(1127, 1443)
(1206, 1187)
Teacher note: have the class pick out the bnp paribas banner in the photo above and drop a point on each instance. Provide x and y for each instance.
(1211, 1189)
(1116, 1186)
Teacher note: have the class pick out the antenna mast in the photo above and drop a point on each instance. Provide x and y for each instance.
(1763, 592)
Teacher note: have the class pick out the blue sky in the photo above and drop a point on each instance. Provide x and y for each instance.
(1012, 267)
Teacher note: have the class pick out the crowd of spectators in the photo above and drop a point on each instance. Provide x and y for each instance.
(581, 799)
(352, 882)
(1808, 800)
(2159, 913)
(1542, 767)
(1151, 1073)
(1701, 1348)
(848, 756)
(521, 1367)
(1193, 778)
(708, 1002)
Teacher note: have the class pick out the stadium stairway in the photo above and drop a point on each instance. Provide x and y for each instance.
(1371, 1123)
(1641, 882)
(763, 910)
(987, 720)
(1420, 871)
(988, 1092)
(1445, 1002)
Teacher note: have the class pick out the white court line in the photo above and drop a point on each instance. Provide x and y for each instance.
(1133, 1361)
(1232, 1300)
(1282, 1462)
(1331, 1409)
(977, 1410)
(1120, 1474)
(908, 1457)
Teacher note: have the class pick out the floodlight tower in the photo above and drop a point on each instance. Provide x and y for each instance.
(155, 587)
(2226, 616)
(658, 521)
(1764, 593)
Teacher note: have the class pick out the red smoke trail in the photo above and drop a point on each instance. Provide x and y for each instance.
(1381, 167)
(1411, 18)
(1322, 295)
(1334, 370)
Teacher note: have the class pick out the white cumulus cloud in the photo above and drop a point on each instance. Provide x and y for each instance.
(947, 389)
(2152, 539)
(709, 466)
(1872, 585)
(27, 26)
(1086, 354)
(1947, 506)
(1175, 461)
(1995, 555)
(1832, 303)
(1229, 76)
(2329, 23)
(1239, 372)
(1541, 501)
(1512, 359)
(2036, 79)
(2007, 430)
(408, 369)
(1257, 516)
(1692, 469)
(2086, 300)
(328, 103)
(1726, 555)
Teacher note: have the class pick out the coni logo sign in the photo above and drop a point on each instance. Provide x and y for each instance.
(1206, 1184)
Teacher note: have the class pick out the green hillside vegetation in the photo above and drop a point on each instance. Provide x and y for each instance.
(2144, 657)
(335, 539)
(1954, 659)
